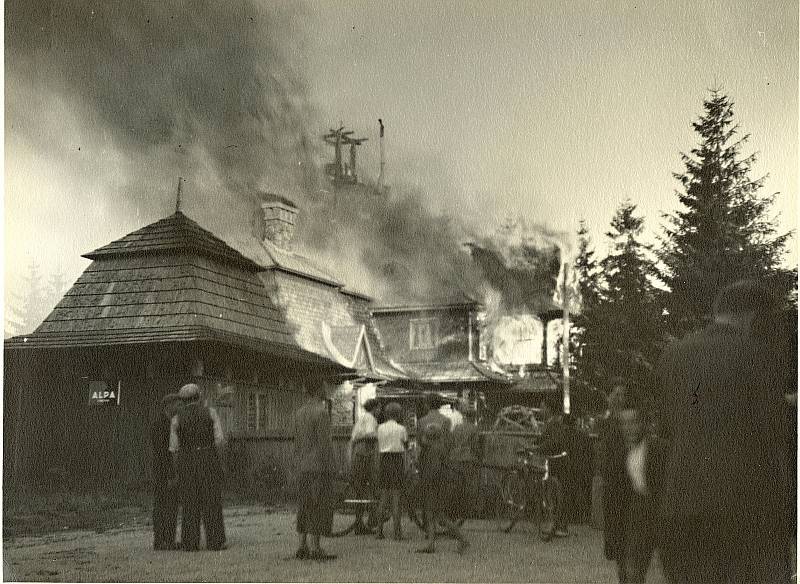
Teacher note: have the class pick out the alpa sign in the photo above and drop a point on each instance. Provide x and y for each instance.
(102, 393)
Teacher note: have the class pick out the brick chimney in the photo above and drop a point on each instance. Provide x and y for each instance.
(279, 215)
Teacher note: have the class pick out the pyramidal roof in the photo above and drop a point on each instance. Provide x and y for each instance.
(171, 281)
(176, 233)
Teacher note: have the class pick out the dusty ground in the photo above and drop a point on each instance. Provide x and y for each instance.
(262, 547)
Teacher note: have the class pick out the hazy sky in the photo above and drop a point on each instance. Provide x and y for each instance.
(559, 110)
(551, 111)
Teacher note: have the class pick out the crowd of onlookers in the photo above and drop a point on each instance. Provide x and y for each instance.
(698, 463)
(702, 464)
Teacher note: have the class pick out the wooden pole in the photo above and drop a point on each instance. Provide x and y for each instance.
(565, 342)
(178, 197)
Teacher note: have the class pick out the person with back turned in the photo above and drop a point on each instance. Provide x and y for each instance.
(165, 489)
(724, 418)
(363, 460)
(195, 434)
(433, 434)
(315, 471)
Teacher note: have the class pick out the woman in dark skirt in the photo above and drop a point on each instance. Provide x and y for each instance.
(392, 445)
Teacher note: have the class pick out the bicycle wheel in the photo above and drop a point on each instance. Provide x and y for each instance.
(512, 503)
(343, 513)
(347, 508)
(550, 502)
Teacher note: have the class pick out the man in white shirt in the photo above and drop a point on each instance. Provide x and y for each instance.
(364, 459)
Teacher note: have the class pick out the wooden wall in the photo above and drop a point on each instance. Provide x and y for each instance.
(54, 438)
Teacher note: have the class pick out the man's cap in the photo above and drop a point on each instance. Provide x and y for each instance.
(169, 399)
(189, 391)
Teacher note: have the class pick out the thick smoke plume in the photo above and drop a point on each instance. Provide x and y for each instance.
(203, 90)
(406, 253)
(125, 97)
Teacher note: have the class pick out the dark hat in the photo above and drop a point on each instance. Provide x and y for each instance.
(394, 411)
(371, 404)
(434, 400)
(189, 392)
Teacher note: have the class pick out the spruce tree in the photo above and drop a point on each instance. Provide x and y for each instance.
(28, 309)
(586, 330)
(619, 327)
(723, 231)
(631, 311)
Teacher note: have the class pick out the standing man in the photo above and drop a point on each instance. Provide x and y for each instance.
(165, 480)
(363, 461)
(313, 454)
(464, 462)
(196, 433)
(723, 414)
(433, 434)
(554, 440)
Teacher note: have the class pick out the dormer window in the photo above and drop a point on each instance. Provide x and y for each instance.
(423, 333)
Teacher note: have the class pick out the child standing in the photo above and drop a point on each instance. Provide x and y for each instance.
(392, 445)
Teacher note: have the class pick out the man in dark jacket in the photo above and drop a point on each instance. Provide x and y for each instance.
(464, 463)
(723, 414)
(195, 434)
(316, 468)
(556, 438)
(165, 492)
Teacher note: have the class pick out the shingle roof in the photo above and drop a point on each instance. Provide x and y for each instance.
(459, 371)
(272, 257)
(176, 233)
(450, 303)
(537, 381)
(171, 296)
(171, 281)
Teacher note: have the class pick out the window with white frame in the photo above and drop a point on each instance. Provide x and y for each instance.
(257, 412)
(423, 333)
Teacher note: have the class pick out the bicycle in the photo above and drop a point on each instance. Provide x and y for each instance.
(529, 485)
(349, 508)
(348, 504)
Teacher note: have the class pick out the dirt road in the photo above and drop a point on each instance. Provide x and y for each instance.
(262, 550)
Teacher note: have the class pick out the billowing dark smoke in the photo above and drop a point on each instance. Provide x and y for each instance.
(127, 96)
(405, 253)
(202, 89)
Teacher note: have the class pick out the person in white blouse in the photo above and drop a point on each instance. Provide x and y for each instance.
(364, 459)
(392, 445)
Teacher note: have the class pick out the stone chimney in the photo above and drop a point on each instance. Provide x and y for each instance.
(279, 215)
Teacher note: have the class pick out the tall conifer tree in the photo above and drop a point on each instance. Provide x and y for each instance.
(587, 331)
(723, 232)
(632, 312)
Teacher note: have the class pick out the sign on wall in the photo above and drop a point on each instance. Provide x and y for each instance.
(102, 393)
